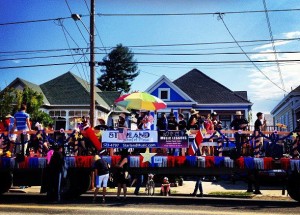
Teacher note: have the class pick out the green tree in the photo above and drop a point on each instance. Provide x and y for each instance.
(33, 101)
(120, 70)
(7, 98)
(11, 100)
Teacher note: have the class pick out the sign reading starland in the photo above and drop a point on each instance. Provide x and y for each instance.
(129, 139)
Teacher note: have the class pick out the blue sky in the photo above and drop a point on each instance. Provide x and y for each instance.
(150, 30)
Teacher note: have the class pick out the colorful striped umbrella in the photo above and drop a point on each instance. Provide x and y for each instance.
(140, 101)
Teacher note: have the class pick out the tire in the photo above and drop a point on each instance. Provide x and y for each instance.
(293, 186)
(5, 181)
(78, 181)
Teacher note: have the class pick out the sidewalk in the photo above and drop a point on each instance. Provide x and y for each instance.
(222, 187)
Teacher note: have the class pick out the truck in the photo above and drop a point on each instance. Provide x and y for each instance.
(32, 170)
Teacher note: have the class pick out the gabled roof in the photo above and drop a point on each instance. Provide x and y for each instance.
(69, 89)
(164, 79)
(24, 83)
(205, 90)
(294, 92)
(109, 97)
(242, 94)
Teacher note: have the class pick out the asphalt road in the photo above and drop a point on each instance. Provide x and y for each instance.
(37, 204)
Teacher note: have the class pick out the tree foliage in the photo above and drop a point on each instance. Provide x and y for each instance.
(120, 70)
(7, 98)
(12, 99)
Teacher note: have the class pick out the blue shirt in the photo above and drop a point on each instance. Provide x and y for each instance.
(21, 118)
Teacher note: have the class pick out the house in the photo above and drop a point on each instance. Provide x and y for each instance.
(287, 111)
(198, 91)
(67, 98)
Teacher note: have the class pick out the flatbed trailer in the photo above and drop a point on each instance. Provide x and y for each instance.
(33, 170)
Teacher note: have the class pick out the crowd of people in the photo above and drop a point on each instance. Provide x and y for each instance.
(39, 145)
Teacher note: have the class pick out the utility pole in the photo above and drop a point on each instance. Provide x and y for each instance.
(92, 64)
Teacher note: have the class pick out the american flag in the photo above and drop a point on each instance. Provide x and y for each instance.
(122, 134)
(195, 144)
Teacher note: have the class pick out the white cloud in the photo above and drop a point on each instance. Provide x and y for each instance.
(262, 89)
(293, 34)
(16, 61)
(269, 45)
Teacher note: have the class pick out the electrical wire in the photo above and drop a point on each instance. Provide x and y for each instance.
(162, 62)
(196, 14)
(98, 34)
(64, 29)
(273, 45)
(76, 22)
(157, 45)
(155, 14)
(253, 62)
(154, 54)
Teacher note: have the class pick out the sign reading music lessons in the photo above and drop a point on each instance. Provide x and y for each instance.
(129, 139)
(173, 139)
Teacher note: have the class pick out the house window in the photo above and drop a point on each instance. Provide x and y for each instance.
(164, 93)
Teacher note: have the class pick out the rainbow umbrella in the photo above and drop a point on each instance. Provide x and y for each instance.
(140, 101)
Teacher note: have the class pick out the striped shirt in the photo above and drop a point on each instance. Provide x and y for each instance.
(21, 118)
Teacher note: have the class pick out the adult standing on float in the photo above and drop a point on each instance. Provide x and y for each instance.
(258, 127)
(193, 120)
(239, 123)
(22, 124)
(162, 122)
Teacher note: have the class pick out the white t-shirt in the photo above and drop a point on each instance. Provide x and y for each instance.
(147, 126)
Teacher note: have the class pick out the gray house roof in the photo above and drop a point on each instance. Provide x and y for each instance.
(293, 93)
(24, 83)
(109, 97)
(69, 89)
(205, 90)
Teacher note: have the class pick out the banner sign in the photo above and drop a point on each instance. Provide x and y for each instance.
(172, 139)
(144, 139)
(129, 139)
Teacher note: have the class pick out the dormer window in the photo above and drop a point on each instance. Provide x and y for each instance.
(164, 94)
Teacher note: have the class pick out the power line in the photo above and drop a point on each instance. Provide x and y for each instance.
(64, 29)
(39, 65)
(195, 14)
(155, 45)
(98, 34)
(33, 21)
(159, 62)
(153, 14)
(273, 45)
(76, 22)
(154, 54)
(253, 62)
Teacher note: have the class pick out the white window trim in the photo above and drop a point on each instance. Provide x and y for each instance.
(164, 89)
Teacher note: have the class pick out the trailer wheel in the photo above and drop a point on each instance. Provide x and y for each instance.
(77, 182)
(5, 181)
(293, 186)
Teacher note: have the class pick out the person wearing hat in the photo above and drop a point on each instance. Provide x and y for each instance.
(193, 120)
(122, 121)
(217, 123)
(239, 123)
